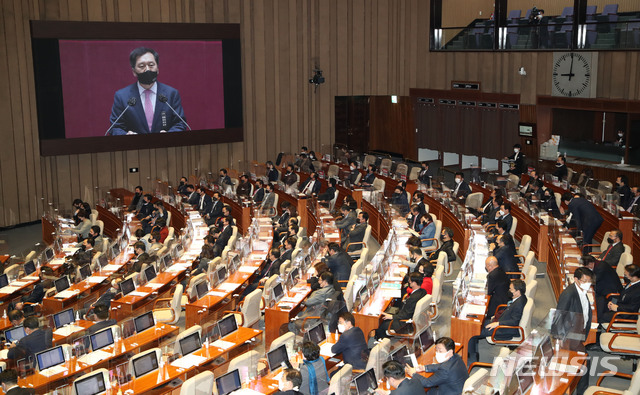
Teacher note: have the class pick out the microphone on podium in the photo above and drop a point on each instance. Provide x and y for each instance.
(163, 99)
(130, 103)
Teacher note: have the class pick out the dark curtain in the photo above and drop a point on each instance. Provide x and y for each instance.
(490, 131)
(449, 128)
(509, 126)
(426, 120)
(469, 142)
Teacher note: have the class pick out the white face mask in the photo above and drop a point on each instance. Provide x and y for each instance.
(441, 357)
(352, 168)
(620, 134)
(585, 286)
(341, 328)
(516, 150)
(501, 212)
(458, 181)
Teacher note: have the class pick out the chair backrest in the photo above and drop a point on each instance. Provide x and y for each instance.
(474, 200)
(514, 225)
(512, 181)
(191, 288)
(12, 271)
(438, 274)
(188, 332)
(386, 164)
(605, 244)
(348, 291)
(414, 173)
(105, 377)
(156, 350)
(456, 246)
(532, 288)
(332, 202)
(627, 248)
(558, 198)
(378, 184)
(356, 268)
(525, 245)
(527, 313)
(531, 274)
(421, 318)
(333, 171)
(287, 339)
(528, 261)
(436, 290)
(340, 382)
(270, 281)
(284, 267)
(247, 365)
(605, 186)
(379, 355)
(610, 9)
(100, 223)
(364, 254)
(30, 256)
(369, 160)
(175, 303)
(626, 259)
(93, 217)
(213, 264)
(475, 379)
(634, 386)
(442, 260)
(402, 169)
(201, 383)
(251, 308)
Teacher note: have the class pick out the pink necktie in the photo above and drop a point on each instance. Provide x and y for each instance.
(148, 108)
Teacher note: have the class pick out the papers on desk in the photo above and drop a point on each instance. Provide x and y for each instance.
(259, 245)
(9, 289)
(473, 309)
(223, 344)
(94, 357)
(188, 361)
(67, 330)
(137, 293)
(154, 285)
(31, 278)
(70, 250)
(53, 371)
(335, 235)
(325, 349)
(564, 368)
(248, 269)
(56, 262)
(219, 294)
(19, 283)
(95, 279)
(111, 267)
(228, 286)
(174, 268)
(246, 391)
(4, 354)
(66, 294)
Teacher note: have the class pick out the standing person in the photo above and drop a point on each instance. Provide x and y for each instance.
(587, 217)
(315, 378)
(150, 101)
(517, 158)
(497, 285)
(351, 343)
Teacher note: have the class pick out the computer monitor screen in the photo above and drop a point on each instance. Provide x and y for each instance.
(277, 357)
(85, 271)
(115, 250)
(61, 284)
(526, 378)
(92, 385)
(201, 289)
(426, 339)
(103, 260)
(366, 382)
(228, 383)
(101, 339)
(278, 292)
(29, 267)
(227, 325)
(48, 253)
(222, 274)
(127, 286)
(144, 322)
(295, 274)
(15, 334)
(190, 343)
(4, 280)
(145, 364)
(150, 273)
(399, 355)
(51, 357)
(166, 260)
(316, 334)
(63, 318)
(547, 348)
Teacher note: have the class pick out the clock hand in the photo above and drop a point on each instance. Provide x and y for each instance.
(571, 68)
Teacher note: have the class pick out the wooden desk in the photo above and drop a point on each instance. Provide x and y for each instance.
(21, 287)
(60, 339)
(276, 316)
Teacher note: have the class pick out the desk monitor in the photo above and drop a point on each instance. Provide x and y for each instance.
(166, 259)
(103, 260)
(513, 386)
(92, 385)
(426, 339)
(547, 349)
(363, 294)
(127, 286)
(227, 325)
(115, 250)
(145, 364)
(48, 254)
(366, 382)
(150, 273)
(316, 334)
(499, 381)
(278, 292)
(295, 274)
(278, 357)
(177, 251)
(29, 267)
(144, 322)
(85, 271)
(15, 334)
(63, 318)
(201, 289)
(61, 284)
(400, 355)
(190, 343)
(101, 339)
(49, 358)
(221, 274)
(229, 382)
(525, 377)
(4, 280)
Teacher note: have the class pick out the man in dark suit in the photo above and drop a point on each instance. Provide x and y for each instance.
(510, 317)
(415, 217)
(517, 158)
(624, 191)
(258, 193)
(351, 343)
(505, 253)
(269, 198)
(446, 245)
(561, 168)
(193, 197)
(497, 285)
(393, 322)
(449, 373)
(146, 209)
(182, 186)
(35, 341)
(339, 262)
(369, 177)
(289, 177)
(223, 237)
(348, 219)
(356, 234)
(216, 210)
(150, 111)
(615, 250)
(289, 243)
(400, 200)
(505, 215)
(271, 267)
(573, 301)
(629, 298)
(634, 202)
(607, 282)
(425, 174)
(136, 202)
(395, 375)
(205, 203)
(244, 187)
(311, 186)
(9, 381)
(587, 218)
(330, 192)
(101, 319)
(224, 181)
(353, 172)
(462, 189)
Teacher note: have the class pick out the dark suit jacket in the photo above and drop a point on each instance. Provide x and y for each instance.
(356, 236)
(585, 214)
(353, 176)
(134, 118)
(289, 179)
(448, 377)
(424, 176)
(625, 195)
(569, 301)
(612, 257)
(630, 299)
(561, 172)
(36, 295)
(145, 210)
(327, 195)
(518, 162)
(258, 195)
(446, 247)
(243, 189)
(463, 190)
(345, 223)
(340, 265)
(511, 317)
(20, 391)
(369, 178)
(216, 209)
(506, 259)
(193, 198)
(206, 202)
(286, 256)
(552, 207)
(410, 386)
(353, 346)
(224, 237)
(134, 201)
(607, 280)
(33, 343)
(498, 288)
(316, 186)
(408, 307)
(273, 175)
(271, 268)
(508, 219)
(98, 326)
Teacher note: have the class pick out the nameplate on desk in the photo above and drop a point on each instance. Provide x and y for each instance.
(473, 86)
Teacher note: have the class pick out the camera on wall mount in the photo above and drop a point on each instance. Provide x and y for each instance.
(317, 78)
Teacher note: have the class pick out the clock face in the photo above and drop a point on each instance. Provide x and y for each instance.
(572, 75)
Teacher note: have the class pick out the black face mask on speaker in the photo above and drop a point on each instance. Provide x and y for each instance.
(148, 77)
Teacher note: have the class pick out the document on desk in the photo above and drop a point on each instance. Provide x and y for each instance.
(96, 279)
(228, 286)
(31, 278)
(8, 289)
(564, 368)
(325, 349)
(154, 285)
(137, 293)
(53, 371)
(248, 269)
(94, 357)
(19, 283)
(473, 309)
(223, 344)
(218, 294)
(56, 262)
(175, 269)
(111, 268)
(66, 294)
(67, 330)
(188, 361)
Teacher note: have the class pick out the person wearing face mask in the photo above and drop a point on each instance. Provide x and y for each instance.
(315, 379)
(549, 204)
(399, 199)
(449, 371)
(561, 168)
(136, 202)
(393, 322)
(356, 234)
(611, 255)
(394, 373)
(370, 177)
(353, 173)
(623, 190)
(620, 139)
(462, 189)
(517, 158)
(497, 285)
(427, 231)
(415, 218)
(330, 193)
(505, 253)
(289, 383)
(607, 282)
(100, 317)
(586, 216)
(446, 245)
(634, 202)
(150, 101)
(272, 172)
(351, 343)
(425, 175)
(510, 316)
(504, 214)
(629, 298)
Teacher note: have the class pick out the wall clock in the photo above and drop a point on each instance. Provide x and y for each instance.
(574, 74)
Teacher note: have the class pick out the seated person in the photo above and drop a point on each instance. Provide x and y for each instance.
(607, 283)
(629, 299)
(348, 218)
(104, 300)
(16, 317)
(223, 236)
(244, 187)
(339, 262)
(489, 217)
(356, 233)
(315, 378)
(289, 383)
(415, 259)
(399, 199)
(505, 252)
(271, 267)
(561, 168)
(224, 181)
(27, 300)
(446, 245)
(154, 241)
(100, 317)
(549, 204)
(35, 341)
(505, 215)
(369, 177)
(415, 216)
(289, 244)
(330, 192)
(9, 382)
(311, 186)
(258, 193)
(315, 302)
(510, 316)
(353, 172)
(206, 256)
(427, 231)
(425, 175)
(99, 241)
(497, 285)
(449, 373)
(612, 254)
(395, 375)
(462, 189)
(145, 210)
(351, 343)
(161, 227)
(83, 227)
(393, 322)
(272, 172)
(86, 252)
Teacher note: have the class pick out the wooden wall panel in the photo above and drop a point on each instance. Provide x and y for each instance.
(364, 47)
